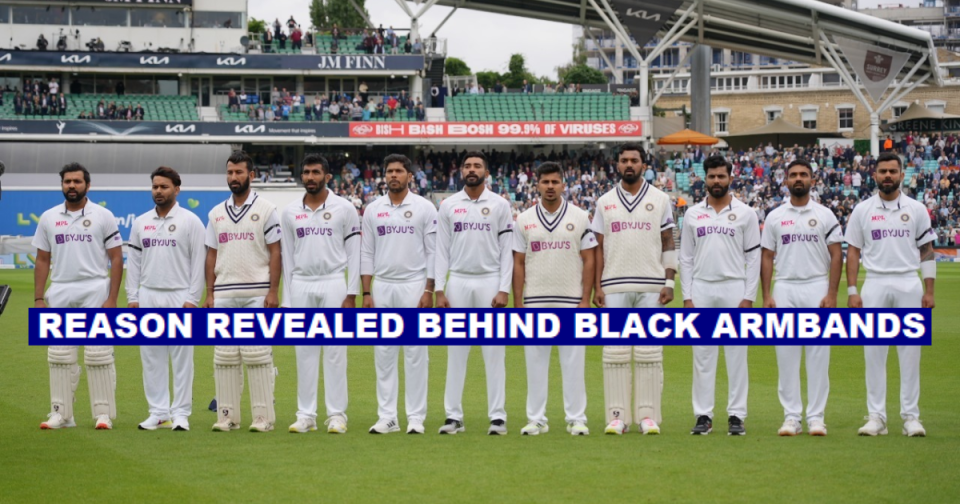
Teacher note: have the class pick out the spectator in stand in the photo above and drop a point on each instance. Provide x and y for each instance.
(42, 43)
(296, 100)
(498, 87)
(251, 113)
(282, 41)
(18, 103)
(407, 46)
(285, 111)
(276, 28)
(364, 91)
(380, 110)
(434, 95)
(526, 88)
(370, 110)
(232, 101)
(120, 88)
(75, 86)
(53, 87)
(335, 32)
(392, 104)
(296, 39)
(62, 106)
(83, 115)
(334, 110)
(378, 44)
(421, 112)
(356, 112)
(101, 110)
(291, 24)
(417, 47)
(268, 114)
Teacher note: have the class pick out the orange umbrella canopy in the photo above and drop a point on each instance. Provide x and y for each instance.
(687, 137)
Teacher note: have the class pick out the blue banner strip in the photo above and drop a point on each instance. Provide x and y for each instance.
(479, 327)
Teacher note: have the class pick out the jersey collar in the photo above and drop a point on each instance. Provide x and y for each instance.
(83, 211)
(171, 214)
(629, 201)
(883, 204)
(483, 196)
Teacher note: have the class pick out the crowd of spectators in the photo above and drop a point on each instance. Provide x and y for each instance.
(293, 34)
(39, 98)
(374, 41)
(282, 104)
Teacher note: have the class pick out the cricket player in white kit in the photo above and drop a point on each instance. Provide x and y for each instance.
(636, 267)
(82, 242)
(165, 265)
(321, 269)
(892, 235)
(398, 247)
(243, 271)
(474, 244)
(803, 239)
(553, 254)
(720, 261)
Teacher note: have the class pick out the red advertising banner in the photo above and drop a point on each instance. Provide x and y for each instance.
(579, 129)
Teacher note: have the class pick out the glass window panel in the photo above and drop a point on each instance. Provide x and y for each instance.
(140, 85)
(285, 81)
(4, 14)
(168, 86)
(204, 19)
(314, 85)
(96, 16)
(158, 18)
(223, 84)
(40, 15)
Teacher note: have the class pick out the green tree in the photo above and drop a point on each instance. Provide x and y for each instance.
(582, 74)
(456, 67)
(488, 79)
(325, 14)
(255, 25)
(318, 13)
(517, 72)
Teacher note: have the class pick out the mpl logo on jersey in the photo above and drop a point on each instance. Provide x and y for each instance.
(303, 232)
(703, 216)
(720, 230)
(457, 211)
(878, 218)
(389, 230)
(542, 246)
(617, 226)
(62, 223)
(459, 227)
(73, 237)
(879, 234)
(799, 238)
(786, 223)
(229, 237)
(159, 242)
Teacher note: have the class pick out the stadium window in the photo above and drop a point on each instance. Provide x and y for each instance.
(845, 116)
(168, 86)
(97, 16)
(830, 79)
(88, 83)
(222, 84)
(936, 106)
(11, 80)
(139, 84)
(39, 15)
(315, 85)
(264, 87)
(287, 82)
(898, 110)
(721, 122)
(203, 19)
(4, 14)
(808, 118)
(157, 18)
(773, 114)
(107, 83)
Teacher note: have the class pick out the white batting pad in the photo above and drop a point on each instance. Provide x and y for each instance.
(64, 378)
(228, 376)
(102, 380)
(616, 382)
(648, 382)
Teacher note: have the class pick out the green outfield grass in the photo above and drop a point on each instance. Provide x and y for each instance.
(127, 465)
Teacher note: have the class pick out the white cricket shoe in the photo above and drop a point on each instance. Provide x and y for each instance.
(180, 423)
(55, 421)
(578, 428)
(260, 424)
(790, 427)
(875, 426)
(497, 428)
(303, 426)
(104, 423)
(385, 426)
(336, 424)
(154, 422)
(451, 426)
(534, 429)
(913, 428)
(816, 427)
(415, 426)
(617, 427)
(648, 426)
(225, 426)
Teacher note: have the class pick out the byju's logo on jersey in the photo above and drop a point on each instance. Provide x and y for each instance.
(879, 234)
(229, 237)
(313, 231)
(389, 230)
(541, 246)
(159, 242)
(798, 238)
(720, 230)
(617, 226)
(459, 227)
(72, 237)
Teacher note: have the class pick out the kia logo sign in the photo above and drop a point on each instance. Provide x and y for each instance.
(6, 57)
(75, 59)
(363, 129)
(153, 60)
(629, 128)
(249, 129)
(231, 61)
(181, 128)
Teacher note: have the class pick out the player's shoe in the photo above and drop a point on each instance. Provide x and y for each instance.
(55, 421)
(578, 428)
(415, 426)
(181, 424)
(816, 427)
(153, 423)
(385, 426)
(704, 426)
(735, 426)
(497, 428)
(617, 427)
(103, 423)
(648, 426)
(790, 427)
(535, 429)
(336, 424)
(225, 426)
(875, 426)
(303, 426)
(451, 426)
(913, 428)
(260, 424)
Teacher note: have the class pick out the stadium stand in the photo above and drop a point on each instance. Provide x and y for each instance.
(538, 107)
(156, 107)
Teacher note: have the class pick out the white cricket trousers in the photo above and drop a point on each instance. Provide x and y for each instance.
(892, 291)
(157, 361)
(572, 360)
(475, 291)
(802, 294)
(320, 292)
(719, 295)
(416, 359)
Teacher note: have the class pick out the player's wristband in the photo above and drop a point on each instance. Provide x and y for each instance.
(928, 269)
(427, 291)
(365, 294)
(669, 283)
(37, 299)
(852, 290)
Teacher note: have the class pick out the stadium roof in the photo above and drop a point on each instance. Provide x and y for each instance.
(791, 29)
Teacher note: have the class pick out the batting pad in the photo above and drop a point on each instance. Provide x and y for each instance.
(228, 376)
(616, 383)
(102, 380)
(64, 378)
(648, 382)
(261, 392)
(257, 355)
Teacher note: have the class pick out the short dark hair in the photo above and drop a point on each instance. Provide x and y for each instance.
(398, 158)
(170, 173)
(476, 154)
(315, 159)
(889, 156)
(549, 167)
(801, 162)
(238, 157)
(72, 167)
(717, 162)
(632, 147)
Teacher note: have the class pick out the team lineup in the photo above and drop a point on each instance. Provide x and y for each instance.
(405, 253)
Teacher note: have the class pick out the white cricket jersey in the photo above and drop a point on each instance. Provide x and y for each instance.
(271, 224)
(799, 236)
(240, 236)
(78, 241)
(718, 247)
(889, 233)
(166, 253)
(632, 244)
(322, 242)
(474, 238)
(399, 241)
(551, 244)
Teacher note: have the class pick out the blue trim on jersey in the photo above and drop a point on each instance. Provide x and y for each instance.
(624, 197)
(237, 217)
(547, 223)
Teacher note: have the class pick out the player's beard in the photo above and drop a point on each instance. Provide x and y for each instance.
(890, 189)
(799, 190)
(76, 197)
(631, 178)
(472, 180)
(396, 187)
(315, 190)
(240, 187)
(719, 191)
